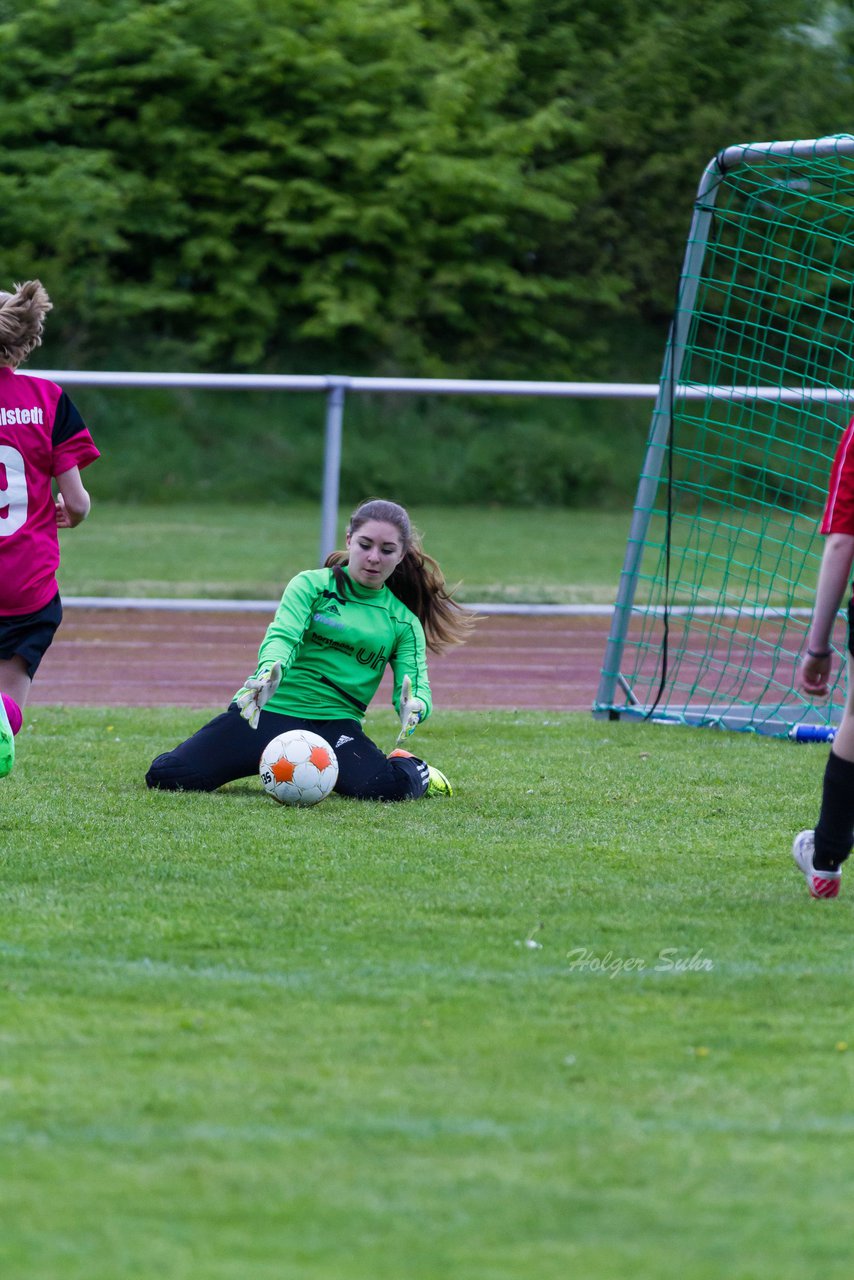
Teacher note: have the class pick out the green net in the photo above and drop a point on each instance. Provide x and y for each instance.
(721, 567)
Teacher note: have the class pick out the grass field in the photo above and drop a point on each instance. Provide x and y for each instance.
(496, 553)
(582, 1019)
(243, 552)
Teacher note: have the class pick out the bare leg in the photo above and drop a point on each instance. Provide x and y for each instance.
(14, 680)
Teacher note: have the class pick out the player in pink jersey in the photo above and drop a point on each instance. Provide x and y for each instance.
(820, 852)
(43, 441)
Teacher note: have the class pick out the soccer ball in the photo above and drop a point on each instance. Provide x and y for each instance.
(298, 767)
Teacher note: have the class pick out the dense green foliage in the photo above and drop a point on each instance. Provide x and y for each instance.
(163, 446)
(467, 186)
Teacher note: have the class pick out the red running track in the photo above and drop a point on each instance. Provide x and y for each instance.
(154, 657)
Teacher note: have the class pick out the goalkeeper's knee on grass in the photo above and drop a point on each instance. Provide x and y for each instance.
(169, 773)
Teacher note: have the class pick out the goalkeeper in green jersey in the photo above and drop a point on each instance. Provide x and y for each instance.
(382, 602)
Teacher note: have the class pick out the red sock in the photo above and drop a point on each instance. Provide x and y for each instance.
(13, 711)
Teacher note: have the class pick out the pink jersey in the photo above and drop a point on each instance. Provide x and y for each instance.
(41, 435)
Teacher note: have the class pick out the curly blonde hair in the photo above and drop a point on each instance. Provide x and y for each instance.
(417, 581)
(22, 314)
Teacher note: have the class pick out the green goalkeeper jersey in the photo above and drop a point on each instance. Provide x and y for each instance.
(335, 645)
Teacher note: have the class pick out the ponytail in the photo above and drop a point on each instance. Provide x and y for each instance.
(419, 583)
(22, 314)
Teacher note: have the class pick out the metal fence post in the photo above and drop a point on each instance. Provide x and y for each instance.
(332, 464)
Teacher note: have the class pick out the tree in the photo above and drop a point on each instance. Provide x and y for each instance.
(245, 176)
(439, 186)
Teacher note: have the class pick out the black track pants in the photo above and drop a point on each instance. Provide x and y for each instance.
(227, 748)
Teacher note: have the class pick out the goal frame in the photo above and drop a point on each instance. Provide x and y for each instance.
(615, 699)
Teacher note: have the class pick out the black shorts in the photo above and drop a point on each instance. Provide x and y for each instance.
(29, 635)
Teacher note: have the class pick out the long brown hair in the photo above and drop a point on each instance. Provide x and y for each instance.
(418, 581)
(22, 314)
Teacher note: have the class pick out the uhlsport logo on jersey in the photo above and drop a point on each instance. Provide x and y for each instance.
(372, 658)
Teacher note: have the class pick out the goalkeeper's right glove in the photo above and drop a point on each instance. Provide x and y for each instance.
(257, 691)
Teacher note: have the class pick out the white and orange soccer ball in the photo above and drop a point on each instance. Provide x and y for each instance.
(298, 768)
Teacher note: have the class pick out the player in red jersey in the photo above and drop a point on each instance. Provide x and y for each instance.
(820, 852)
(43, 440)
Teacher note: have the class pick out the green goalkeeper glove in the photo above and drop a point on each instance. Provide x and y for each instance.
(411, 710)
(257, 691)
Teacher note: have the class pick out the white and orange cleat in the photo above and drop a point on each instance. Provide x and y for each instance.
(821, 884)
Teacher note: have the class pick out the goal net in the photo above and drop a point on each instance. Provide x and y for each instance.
(721, 564)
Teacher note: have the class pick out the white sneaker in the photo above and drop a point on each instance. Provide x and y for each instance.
(821, 884)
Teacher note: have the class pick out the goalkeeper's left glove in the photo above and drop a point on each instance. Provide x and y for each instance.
(412, 710)
(257, 691)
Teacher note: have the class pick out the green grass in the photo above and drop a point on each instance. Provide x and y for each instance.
(560, 556)
(368, 1041)
(250, 552)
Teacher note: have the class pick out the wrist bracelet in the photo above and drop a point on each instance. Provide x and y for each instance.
(815, 653)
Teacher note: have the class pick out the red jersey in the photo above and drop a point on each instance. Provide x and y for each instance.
(41, 435)
(839, 509)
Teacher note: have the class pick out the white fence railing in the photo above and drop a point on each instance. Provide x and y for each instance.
(336, 387)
